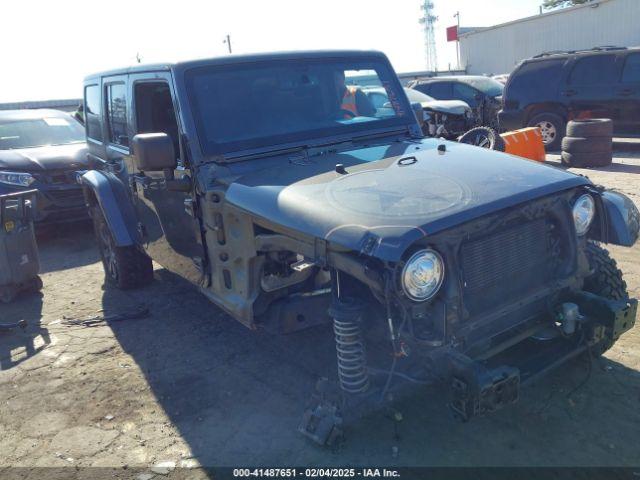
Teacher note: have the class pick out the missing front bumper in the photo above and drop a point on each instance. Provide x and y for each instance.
(482, 386)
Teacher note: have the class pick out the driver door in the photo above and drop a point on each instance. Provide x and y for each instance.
(167, 221)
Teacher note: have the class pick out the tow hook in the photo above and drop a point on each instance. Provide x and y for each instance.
(569, 317)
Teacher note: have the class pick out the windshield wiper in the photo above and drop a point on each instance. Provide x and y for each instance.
(351, 140)
(267, 153)
(387, 133)
(318, 148)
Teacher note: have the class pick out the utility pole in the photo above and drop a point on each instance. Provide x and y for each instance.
(228, 42)
(428, 20)
(457, 15)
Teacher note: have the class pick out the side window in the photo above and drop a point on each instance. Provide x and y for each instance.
(631, 72)
(594, 70)
(441, 90)
(423, 87)
(117, 114)
(464, 92)
(154, 110)
(536, 76)
(378, 99)
(92, 112)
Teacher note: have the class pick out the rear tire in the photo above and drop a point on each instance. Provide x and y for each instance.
(124, 267)
(592, 127)
(605, 281)
(587, 145)
(552, 127)
(591, 159)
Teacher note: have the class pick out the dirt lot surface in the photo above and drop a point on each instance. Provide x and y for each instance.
(190, 386)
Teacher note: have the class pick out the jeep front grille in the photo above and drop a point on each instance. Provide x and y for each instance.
(505, 265)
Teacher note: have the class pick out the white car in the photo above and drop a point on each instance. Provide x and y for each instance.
(442, 118)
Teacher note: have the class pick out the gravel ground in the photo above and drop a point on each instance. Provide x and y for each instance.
(189, 386)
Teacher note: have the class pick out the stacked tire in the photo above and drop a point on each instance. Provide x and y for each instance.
(588, 143)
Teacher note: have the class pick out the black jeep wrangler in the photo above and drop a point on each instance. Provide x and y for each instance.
(271, 184)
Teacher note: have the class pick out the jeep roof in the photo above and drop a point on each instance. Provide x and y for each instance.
(238, 59)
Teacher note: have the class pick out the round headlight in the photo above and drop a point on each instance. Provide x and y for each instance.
(583, 212)
(422, 275)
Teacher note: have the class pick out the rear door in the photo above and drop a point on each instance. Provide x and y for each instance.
(116, 135)
(628, 94)
(590, 86)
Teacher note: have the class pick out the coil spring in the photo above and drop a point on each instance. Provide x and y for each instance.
(352, 362)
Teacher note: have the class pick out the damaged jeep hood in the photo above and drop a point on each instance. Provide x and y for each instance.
(391, 195)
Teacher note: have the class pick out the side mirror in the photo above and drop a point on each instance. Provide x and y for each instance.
(478, 96)
(418, 112)
(154, 152)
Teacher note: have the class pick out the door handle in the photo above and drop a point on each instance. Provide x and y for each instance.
(626, 92)
(569, 93)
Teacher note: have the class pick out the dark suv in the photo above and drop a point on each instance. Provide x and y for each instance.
(424, 259)
(552, 88)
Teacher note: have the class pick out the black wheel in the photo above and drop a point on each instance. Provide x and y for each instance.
(591, 159)
(552, 127)
(587, 145)
(36, 284)
(605, 281)
(483, 137)
(124, 267)
(592, 127)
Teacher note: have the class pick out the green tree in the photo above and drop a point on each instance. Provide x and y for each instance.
(551, 4)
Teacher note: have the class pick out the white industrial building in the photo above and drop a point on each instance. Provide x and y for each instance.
(498, 49)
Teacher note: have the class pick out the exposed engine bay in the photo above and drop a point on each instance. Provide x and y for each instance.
(443, 123)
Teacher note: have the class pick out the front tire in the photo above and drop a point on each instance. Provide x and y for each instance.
(606, 281)
(124, 267)
(606, 278)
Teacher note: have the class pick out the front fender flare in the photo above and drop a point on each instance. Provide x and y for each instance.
(622, 219)
(114, 201)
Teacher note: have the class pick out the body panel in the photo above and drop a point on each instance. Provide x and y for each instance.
(622, 219)
(111, 195)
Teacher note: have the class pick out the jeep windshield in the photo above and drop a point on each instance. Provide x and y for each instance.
(263, 105)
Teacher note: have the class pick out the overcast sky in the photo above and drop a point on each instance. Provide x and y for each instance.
(48, 46)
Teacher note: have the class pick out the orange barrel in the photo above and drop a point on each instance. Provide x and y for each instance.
(526, 142)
